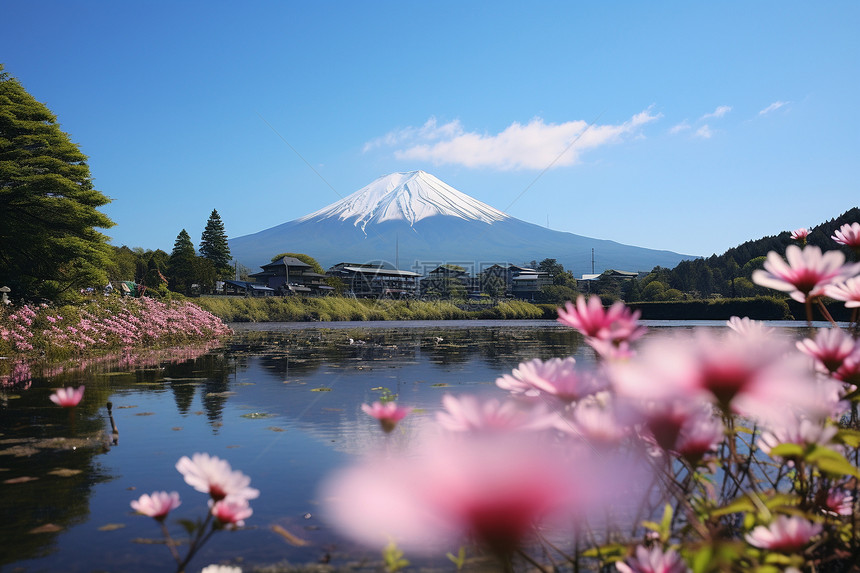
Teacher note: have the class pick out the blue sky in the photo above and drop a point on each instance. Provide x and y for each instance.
(687, 126)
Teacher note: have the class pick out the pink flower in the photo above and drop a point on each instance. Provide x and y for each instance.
(849, 291)
(212, 475)
(830, 348)
(848, 235)
(556, 377)
(748, 327)
(754, 376)
(800, 235)
(388, 414)
(616, 324)
(806, 273)
(68, 397)
(469, 414)
(231, 511)
(157, 505)
(785, 534)
(839, 502)
(849, 372)
(653, 560)
(498, 492)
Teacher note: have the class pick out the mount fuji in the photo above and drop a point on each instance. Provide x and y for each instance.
(415, 221)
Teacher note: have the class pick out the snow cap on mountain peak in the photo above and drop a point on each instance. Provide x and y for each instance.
(409, 196)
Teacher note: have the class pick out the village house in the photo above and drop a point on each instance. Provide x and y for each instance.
(366, 280)
(289, 275)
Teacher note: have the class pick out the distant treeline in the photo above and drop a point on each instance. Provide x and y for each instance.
(728, 275)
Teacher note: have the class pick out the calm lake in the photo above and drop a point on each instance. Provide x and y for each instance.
(280, 402)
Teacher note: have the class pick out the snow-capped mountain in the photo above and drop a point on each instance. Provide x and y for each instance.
(415, 221)
(410, 197)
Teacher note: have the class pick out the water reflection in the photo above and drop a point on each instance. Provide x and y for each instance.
(283, 406)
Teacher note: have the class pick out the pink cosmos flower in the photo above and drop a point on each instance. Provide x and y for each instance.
(839, 502)
(497, 492)
(848, 235)
(800, 235)
(699, 438)
(830, 348)
(157, 505)
(212, 475)
(754, 376)
(785, 534)
(556, 377)
(616, 324)
(469, 414)
(748, 327)
(68, 397)
(806, 272)
(597, 421)
(849, 372)
(388, 414)
(803, 432)
(849, 291)
(653, 560)
(232, 512)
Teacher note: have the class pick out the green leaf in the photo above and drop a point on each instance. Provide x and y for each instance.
(850, 438)
(189, 526)
(787, 451)
(739, 505)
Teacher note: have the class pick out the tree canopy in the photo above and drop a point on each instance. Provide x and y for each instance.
(49, 245)
(213, 244)
(307, 259)
(181, 265)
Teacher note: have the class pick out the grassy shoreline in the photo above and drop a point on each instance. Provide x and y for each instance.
(326, 309)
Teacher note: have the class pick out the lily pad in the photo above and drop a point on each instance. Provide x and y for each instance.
(321, 390)
(256, 415)
(47, 528)
(22, 479)
(64, 472)
(111, 526)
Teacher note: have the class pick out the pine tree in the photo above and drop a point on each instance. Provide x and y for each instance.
(49, 245)
(181, 264)
(213, 244)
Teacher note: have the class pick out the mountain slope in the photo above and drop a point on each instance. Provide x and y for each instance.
(413, 220)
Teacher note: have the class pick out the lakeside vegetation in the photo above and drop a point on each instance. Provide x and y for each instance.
(299, 309)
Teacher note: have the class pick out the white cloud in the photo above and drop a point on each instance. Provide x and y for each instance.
(704, 132)
(719, 112)
(429, 131)
(773, 107)
(683, 126)
(535, 145)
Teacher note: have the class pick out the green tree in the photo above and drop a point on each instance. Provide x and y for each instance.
(49, 245)
(213, 245)
(307, 259)
(181, 264)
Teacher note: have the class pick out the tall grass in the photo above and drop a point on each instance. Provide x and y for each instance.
(297, 309)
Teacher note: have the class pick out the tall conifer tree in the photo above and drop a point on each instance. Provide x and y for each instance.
(213, 243)
(49, 245)
(181, 263)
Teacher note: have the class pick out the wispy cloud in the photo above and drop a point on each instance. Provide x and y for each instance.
(773, 107)
(534, 145)
(683, 126)
(719, 112)
(704, 132)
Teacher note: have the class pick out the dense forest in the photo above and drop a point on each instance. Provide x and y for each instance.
(720, 276)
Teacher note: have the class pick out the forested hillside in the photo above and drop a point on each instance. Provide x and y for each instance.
(729, 274)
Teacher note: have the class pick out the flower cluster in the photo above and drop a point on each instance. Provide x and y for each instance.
(104, 324)
(744, 440)
(229, 495)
